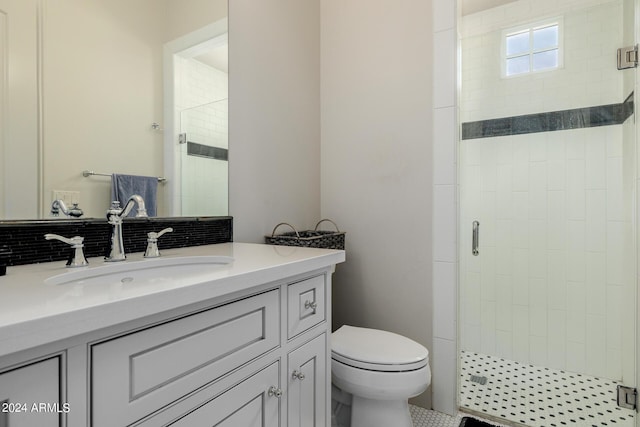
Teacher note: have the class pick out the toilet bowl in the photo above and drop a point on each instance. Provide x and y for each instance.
(381, 371)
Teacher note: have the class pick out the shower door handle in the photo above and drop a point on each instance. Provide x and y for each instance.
(475, 238)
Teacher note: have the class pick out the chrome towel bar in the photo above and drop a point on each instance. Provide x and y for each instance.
(88, 173)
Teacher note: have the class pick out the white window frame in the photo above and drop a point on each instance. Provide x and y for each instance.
(530, 27)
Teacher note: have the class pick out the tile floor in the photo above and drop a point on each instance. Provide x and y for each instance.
(426, 418)
(538, 397)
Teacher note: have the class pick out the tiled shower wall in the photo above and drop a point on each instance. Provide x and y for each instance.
(588, 78)
(554, 277)
(549, 285)
(445, 247)
(202, 99)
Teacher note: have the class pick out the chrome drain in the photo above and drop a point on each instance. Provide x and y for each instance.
(478, 379)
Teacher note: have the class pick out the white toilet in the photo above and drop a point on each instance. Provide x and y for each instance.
(381, 371)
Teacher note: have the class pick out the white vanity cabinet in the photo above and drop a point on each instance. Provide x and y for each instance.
(30, 395)
(233, 364)
(244, 345)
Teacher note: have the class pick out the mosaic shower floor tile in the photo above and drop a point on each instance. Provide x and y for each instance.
(537, 397)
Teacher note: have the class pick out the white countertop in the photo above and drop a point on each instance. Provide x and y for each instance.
(33, 313)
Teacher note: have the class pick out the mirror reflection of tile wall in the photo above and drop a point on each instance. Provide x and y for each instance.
(202, 100)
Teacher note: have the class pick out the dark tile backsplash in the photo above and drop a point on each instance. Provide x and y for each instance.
(22, 242)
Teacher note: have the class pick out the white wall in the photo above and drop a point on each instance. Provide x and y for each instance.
(274, 112)
(19, 139)
(376, 161)
(182, 17)
(99, 99)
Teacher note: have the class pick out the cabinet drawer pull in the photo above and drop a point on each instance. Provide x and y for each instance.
(275, 391)
(310, 305)
(297, 375)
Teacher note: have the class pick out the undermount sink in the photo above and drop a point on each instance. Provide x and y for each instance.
(145, 271)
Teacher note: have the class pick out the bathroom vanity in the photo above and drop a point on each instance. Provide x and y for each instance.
(241, 342)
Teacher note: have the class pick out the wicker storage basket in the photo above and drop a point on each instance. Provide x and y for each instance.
(308, 238)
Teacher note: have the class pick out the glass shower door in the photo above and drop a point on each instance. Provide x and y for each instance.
(547, 159)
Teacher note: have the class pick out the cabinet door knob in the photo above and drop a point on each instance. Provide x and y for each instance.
(310, 305)
(275, 391)
(297, 375)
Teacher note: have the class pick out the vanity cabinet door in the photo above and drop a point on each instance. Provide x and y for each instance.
(30, 396)
(248, 404)
(307, 378)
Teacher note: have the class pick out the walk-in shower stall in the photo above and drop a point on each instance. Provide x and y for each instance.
(547, 222)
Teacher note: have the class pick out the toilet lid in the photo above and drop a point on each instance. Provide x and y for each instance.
(377, 350)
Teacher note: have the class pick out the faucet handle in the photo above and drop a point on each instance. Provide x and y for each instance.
(115, 208)
(153, 235)
(76, 257)
(75, 211)
(152, 243)
(76, 240)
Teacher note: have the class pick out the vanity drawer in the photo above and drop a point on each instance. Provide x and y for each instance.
(137, 374)
(306, 304)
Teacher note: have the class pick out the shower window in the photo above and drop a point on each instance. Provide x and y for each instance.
(531, 49)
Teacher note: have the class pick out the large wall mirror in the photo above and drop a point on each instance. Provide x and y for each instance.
(133, 87)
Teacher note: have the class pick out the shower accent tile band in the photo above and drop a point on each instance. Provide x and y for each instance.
(208, 151)
(603, 115)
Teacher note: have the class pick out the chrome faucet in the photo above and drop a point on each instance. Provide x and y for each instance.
(58, 205)
(114, 217)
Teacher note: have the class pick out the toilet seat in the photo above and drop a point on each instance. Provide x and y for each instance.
(377, 350)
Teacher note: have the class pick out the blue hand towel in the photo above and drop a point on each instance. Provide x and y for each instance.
(125, 186)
